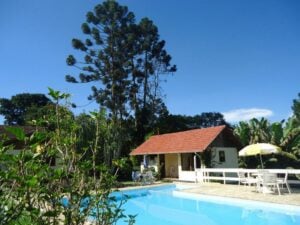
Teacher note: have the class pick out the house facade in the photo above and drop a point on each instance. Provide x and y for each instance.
(177, 155)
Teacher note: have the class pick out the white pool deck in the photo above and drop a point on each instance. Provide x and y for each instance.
(236, 192)
(245, 192)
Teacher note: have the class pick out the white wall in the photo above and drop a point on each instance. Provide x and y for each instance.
(173, 165)
(187, 176)
(231, 157)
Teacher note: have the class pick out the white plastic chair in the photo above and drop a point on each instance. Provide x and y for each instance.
(269, 180)
(243, 179)
(148, 178)
(284, 181)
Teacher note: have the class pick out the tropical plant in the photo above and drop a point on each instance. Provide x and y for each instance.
(282, 134)
(76, 189)
(242, 130)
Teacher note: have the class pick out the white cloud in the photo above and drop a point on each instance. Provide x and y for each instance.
(246, 114)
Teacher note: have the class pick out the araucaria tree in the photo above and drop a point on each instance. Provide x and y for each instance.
(105, 56)
(124, 59)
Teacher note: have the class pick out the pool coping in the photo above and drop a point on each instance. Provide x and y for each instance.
(144, 186)
(246, 203)
(249, 204)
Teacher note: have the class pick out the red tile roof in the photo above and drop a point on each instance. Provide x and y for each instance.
(180, 142)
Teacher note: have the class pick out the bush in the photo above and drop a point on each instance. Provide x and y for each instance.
(34, 192)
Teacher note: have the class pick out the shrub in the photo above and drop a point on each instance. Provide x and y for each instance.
(32, 191)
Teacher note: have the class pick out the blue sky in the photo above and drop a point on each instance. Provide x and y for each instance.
(240, 58)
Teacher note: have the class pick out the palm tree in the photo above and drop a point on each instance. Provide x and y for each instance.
(259, 130)
(242, 130)
(290, 139)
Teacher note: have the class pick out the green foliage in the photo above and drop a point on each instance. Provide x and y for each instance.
(20, 107)
(33, 191)
(283, 134)
(17, 132)
(122, 164)
(242, 130)
(276, 130)
(296, 109)
(57, 95)
(254, 131)
(173, 123)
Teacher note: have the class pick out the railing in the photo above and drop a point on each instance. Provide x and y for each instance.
(225, 175)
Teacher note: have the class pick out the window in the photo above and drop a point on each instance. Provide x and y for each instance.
(221, 156)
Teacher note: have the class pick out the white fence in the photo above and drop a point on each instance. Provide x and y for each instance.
(225, 175)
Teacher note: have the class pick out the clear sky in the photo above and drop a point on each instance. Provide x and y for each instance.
(241, 58)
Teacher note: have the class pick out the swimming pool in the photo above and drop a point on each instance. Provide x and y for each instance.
(166, 205)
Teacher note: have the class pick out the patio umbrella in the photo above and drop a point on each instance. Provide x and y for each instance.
(259, 149)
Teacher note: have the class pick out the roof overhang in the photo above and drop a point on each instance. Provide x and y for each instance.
(162, 152)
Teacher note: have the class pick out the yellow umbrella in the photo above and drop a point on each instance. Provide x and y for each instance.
(259, 149)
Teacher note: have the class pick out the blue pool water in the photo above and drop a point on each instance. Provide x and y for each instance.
(159, 206)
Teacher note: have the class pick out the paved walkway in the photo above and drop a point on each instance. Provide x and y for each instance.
(245, 192)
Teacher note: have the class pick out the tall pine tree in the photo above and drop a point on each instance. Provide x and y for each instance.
(126, 59)
(105, 56)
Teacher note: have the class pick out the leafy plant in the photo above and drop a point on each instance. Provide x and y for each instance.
(74, 190)
(283, 134)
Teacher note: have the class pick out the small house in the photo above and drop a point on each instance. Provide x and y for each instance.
(177, 155)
